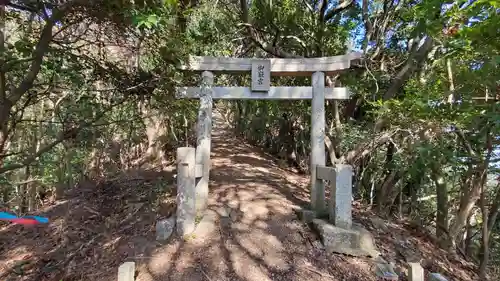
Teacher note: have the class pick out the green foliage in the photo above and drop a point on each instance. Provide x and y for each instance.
(115, 82)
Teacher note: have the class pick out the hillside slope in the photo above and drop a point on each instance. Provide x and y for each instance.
(107, 222)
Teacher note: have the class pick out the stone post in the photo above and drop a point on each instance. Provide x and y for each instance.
(340, 203)
(186, 195)
(415, 272)
(317, 141)
(204, 140)
(126, 271)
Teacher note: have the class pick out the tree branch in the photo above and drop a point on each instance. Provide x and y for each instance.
(33, 157)
(62, 137)
(338, 9)
(413, 62)
(366, 148)
(465, 142)
(308, 6)
(19, 7)
(322, 11)
(38, 55)
(41, 48)
(254, 36)
(244, 11)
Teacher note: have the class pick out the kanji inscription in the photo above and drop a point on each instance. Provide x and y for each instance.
(261, 75)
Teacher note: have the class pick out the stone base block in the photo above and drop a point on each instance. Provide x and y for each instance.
(385, 271)
(207, 225)
(436, 277)
(165, 228)
(306, 216)
(356, 241)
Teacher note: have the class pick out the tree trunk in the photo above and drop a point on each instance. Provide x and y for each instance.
(467, 202)
(386, 195)
(494, 210)
(485, 244)
(5, 104)
(470, 192)
(412, 190)
(5, 108)
(442, 207)
(478, 180)
(31, 196)
(468, 236)
(389, 174)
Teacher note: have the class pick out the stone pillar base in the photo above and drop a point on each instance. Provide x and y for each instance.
(355, 241)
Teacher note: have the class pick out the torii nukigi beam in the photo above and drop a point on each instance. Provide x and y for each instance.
(262, 69)
(274, 93)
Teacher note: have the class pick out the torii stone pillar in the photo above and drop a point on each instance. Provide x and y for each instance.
(204, 140)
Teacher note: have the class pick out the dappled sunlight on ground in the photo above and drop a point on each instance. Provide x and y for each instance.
(90, 234)
(256, 236)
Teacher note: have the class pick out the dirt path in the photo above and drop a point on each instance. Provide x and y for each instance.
(257, 236)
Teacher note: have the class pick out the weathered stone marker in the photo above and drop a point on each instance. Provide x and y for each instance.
(340, 235)
(186, 195)
(339, 204)
(126, 271)
(415, 272)
(261, 70)
(341, 196)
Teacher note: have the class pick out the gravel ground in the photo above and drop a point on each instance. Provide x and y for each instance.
(257, 236)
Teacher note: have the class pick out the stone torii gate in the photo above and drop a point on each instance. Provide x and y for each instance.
(195, 163)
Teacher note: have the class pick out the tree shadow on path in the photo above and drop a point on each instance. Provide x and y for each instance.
(256, 234)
